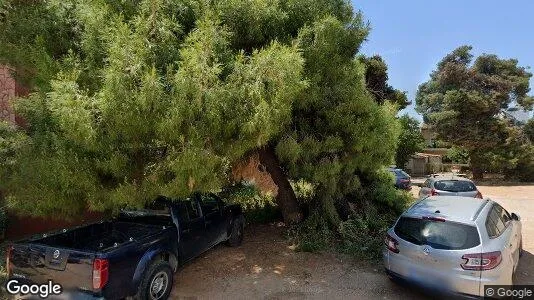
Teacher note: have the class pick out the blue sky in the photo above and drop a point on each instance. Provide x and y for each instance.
(412, 36)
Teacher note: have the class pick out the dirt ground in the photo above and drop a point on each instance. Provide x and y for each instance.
(266, 267)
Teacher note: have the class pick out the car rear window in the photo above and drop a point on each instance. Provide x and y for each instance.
(437, 234)
(455, 186)
(401, 173)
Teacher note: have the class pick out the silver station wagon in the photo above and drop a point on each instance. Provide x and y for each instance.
(454, 245)
(449, 185)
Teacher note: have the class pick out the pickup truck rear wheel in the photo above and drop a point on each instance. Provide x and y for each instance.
(236, 235)
(156, 283)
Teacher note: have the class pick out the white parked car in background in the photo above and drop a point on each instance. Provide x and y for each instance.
(449, 185)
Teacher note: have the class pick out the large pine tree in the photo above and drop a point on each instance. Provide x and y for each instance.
(133, 99)
(465, 100)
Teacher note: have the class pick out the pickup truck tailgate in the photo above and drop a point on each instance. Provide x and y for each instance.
(39, 263)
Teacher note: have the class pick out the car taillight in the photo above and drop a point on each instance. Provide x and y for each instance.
(100, 273)
(433, 192)
(481, 261)
(9, 250)
(391, 244)
(479, 195)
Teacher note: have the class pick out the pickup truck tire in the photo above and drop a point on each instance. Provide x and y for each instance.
(236, 235)
(157, 282)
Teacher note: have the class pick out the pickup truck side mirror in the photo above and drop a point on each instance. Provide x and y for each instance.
(516, 217)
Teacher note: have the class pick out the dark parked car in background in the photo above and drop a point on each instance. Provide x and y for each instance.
(403, 181)
(134, 254)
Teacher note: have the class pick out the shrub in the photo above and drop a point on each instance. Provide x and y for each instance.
(378, 207)
(363, 235)
(4, 220)
(247, 195)
(263, 215)
(314, 234)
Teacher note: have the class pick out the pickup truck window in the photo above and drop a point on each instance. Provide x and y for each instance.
(158, 208)
(209, 204)
(192, 210)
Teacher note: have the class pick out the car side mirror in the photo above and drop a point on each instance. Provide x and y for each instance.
(516, 217)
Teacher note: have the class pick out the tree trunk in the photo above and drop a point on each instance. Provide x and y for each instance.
(476, 163)
(286, 199)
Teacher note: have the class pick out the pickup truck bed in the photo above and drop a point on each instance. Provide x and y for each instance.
(100, 236)
(68, 257)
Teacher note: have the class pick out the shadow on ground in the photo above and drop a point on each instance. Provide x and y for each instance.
(525, 271)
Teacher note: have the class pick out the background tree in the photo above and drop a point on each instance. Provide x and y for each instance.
(410, 140)
(464, 100)
(376, 78)
(529, 130)
(457, 155)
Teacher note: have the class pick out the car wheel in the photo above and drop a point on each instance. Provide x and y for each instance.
(157, 282)
(236, 235)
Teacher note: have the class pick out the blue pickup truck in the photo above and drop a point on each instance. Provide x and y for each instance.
(132, 255)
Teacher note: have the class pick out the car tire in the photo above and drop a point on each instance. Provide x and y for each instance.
(156, 283)
(236, 235)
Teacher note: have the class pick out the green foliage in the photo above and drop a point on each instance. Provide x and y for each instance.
(410, 140)
(166, 113)
(376, 79)
(338, 128)
(380, 189)
(4, 219)
(377, 209)
(524, 169)
(304, 191)
(528, 128)
(263, 215)
(457, 155)
(248, 196)
(464, 100)
(363, 235)
(314, 234)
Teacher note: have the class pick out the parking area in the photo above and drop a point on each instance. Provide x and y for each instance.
(266, 267)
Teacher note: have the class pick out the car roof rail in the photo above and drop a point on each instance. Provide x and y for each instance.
(484, 203)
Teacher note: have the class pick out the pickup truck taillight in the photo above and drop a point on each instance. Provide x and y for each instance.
(8, 260)
(100, 273)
